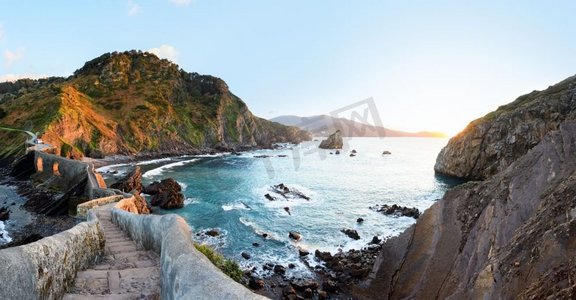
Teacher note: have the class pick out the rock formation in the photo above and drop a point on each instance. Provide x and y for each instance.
(396, 210)
(131, 182)
(167, 194)
(490, 144)
(334, 141)
(510, 236)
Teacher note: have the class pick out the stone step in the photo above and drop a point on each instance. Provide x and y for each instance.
(130, 254)
(126, 296)
(128, 264)
(118, 243)
(121, 249)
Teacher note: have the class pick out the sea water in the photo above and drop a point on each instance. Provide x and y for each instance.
(226, 192)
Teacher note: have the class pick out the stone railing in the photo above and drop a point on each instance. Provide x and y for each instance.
(185, 272)
(46, 268)
(82, 209)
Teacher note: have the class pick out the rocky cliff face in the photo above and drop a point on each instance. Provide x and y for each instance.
(133, 102)
(510, 236)
(490, 144)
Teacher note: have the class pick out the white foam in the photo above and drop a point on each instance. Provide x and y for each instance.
(189, 201)
(182, 185)
(106, 169)
(4, 238)
(154, 161)
(235, 205)
(158, 171)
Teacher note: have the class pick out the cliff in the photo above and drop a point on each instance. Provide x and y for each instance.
(490, 144)
(133, 103)
(510, 236)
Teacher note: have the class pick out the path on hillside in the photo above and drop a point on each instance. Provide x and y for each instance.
(125, 272)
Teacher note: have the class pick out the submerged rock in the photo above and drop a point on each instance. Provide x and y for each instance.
(213, 232)
(334, 141)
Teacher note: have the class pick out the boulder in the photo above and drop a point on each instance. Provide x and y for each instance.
(351, 233)
(255, 283)
(386, 152)
(167, 194)
(246, 255)
(303, 252)
(375, 240)
(354, 151)
(287, 209)
(337, 152)
(4, 214)
(334, 141)
(325, 256)
(359, 220)
(141, 205)
(279, 269)
(269, 197)
(131, 182)
(294, 235)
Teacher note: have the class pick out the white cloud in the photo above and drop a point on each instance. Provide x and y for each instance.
(10, 57)
(133, 8)
(14, 77)
(181, 2)
(166, 51)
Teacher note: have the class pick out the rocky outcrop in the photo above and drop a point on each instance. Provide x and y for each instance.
(167, 194)
(490, 144)
(397, 211)
(334, 141)
(510, 236)
(131, 182)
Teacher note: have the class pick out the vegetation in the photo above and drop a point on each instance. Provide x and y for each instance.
(131, 102)
(228, 266)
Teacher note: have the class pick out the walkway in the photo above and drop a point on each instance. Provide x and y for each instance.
(125, 271)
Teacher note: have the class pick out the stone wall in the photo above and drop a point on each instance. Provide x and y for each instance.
(46, 268)
(186, 273)
(82, 209)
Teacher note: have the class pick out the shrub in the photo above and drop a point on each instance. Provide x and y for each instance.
(228, 266)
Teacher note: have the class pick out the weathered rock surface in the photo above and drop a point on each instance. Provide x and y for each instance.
(334, 141)
(131, 182)
(490, 144)
(167, 194)
(509, 237)
(351, 233)
(396, 210)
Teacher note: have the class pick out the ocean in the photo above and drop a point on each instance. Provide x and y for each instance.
(227, 192)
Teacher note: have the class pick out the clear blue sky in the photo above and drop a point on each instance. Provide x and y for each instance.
(433, 65)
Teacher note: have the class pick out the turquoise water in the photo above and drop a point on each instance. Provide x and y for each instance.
(226, 192)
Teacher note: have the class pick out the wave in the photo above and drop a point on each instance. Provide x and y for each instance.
(236, 205)
(108, 168)
(158, 171)
(154, 161)
(189, 201)
(4, 237)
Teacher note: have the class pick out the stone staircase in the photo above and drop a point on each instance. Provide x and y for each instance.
(125, 271)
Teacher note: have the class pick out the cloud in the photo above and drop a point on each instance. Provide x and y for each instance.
(166, 51)
(181, 2)
(10, 57)
(133, 8)
(1, 31)
(14, 77)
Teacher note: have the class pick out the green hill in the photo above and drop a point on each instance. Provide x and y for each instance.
(133, 103)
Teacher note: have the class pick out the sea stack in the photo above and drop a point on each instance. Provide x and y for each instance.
(334, 141)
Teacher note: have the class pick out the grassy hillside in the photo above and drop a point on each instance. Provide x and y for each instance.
(133, 102)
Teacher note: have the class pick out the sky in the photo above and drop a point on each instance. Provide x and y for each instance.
(427, 65)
